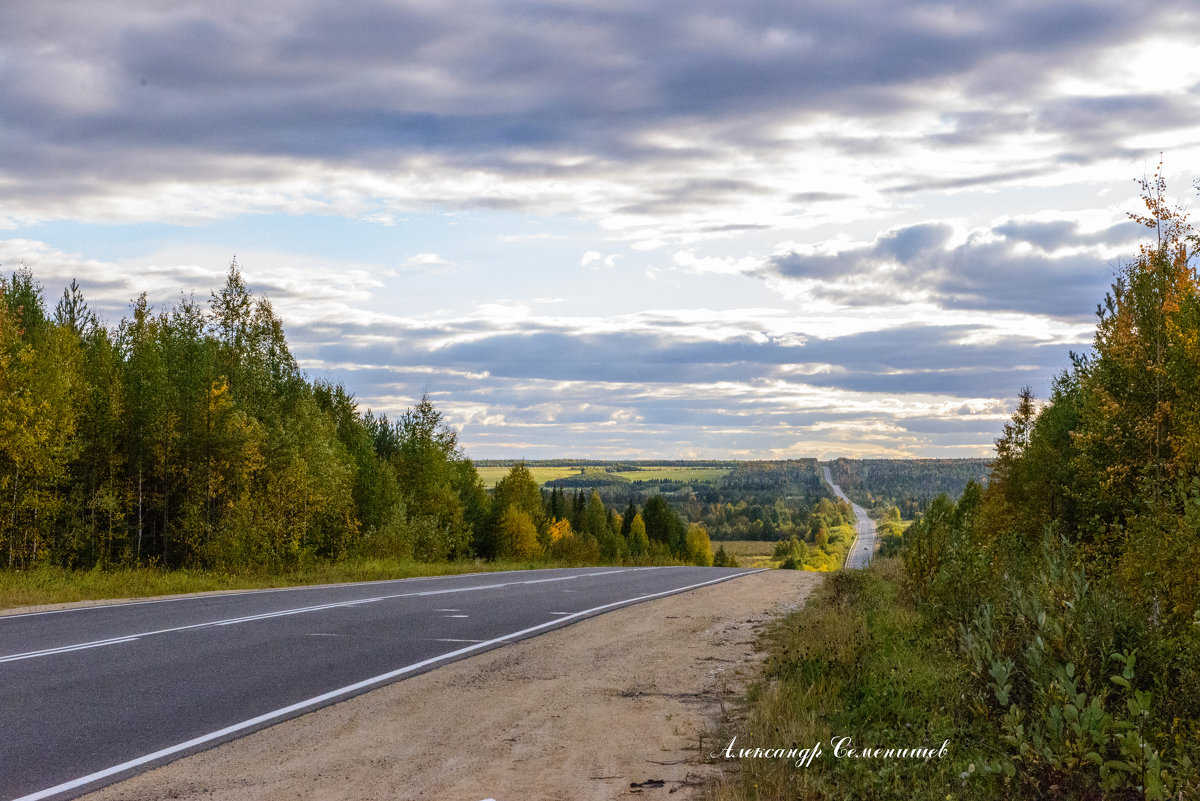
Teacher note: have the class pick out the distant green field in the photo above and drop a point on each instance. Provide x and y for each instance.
(749, 553)
(541, 475)
(689, 474)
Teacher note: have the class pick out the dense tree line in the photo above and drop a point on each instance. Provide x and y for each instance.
(756, 500)
(188, 437)
(578, 527)
(1071, 578)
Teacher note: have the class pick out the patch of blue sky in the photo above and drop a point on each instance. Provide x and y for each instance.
(451, 235)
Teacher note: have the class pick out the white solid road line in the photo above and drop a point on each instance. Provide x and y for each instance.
(200, 596)
(349, 689)
(62, 649)
(67, 648)
(229, 593)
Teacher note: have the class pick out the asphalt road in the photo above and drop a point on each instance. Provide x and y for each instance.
(863, 548)
(92, 695)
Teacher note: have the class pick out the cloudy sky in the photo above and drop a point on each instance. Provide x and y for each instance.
(615, 229)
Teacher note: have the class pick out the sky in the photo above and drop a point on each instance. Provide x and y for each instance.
(613, 229)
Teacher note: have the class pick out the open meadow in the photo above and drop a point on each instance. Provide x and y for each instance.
(543, 473)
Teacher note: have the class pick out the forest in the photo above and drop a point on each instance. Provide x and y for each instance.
(188, 438)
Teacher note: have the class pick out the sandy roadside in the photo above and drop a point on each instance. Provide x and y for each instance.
(580, 713)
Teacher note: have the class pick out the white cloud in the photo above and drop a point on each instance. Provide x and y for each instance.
(596, 259)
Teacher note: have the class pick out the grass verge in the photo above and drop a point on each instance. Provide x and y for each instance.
(49, 585)
(858, 661)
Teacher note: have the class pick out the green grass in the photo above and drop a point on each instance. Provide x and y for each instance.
(749, 553)
(857, 661)
(491, 475)
(47, 585)
(689, 475)
(747, 547)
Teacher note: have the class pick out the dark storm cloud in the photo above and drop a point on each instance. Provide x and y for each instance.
(1064, 233)
(904, 245)
(986, 273)
(138, 91)
(1107, 119)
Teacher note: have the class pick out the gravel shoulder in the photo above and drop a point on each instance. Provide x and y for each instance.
(582, 713)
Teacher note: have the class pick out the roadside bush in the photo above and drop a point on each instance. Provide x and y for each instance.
(1076, 683)
(575, 549)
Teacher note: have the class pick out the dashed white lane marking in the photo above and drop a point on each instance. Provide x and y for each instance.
(349, 689)
(453, 639)
(455, 616)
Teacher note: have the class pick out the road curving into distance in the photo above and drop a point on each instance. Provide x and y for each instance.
(92, 695)
(865, 540)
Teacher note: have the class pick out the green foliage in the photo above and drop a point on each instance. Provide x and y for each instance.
(1055, 661)
(723, 559)
(698, 548)
(187, 438)
(639, 542)
(518, 490)
(518, 533)
(890, 529)
(827, 538)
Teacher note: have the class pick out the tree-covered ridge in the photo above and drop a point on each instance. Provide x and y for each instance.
(907, 484)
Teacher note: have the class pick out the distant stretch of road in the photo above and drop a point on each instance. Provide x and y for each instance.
(92, 695)
(864, 543)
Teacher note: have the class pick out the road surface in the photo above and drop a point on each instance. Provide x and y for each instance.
(95, 694)
(864, 544)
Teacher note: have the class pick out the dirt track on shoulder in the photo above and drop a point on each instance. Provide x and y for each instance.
(584, 712)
